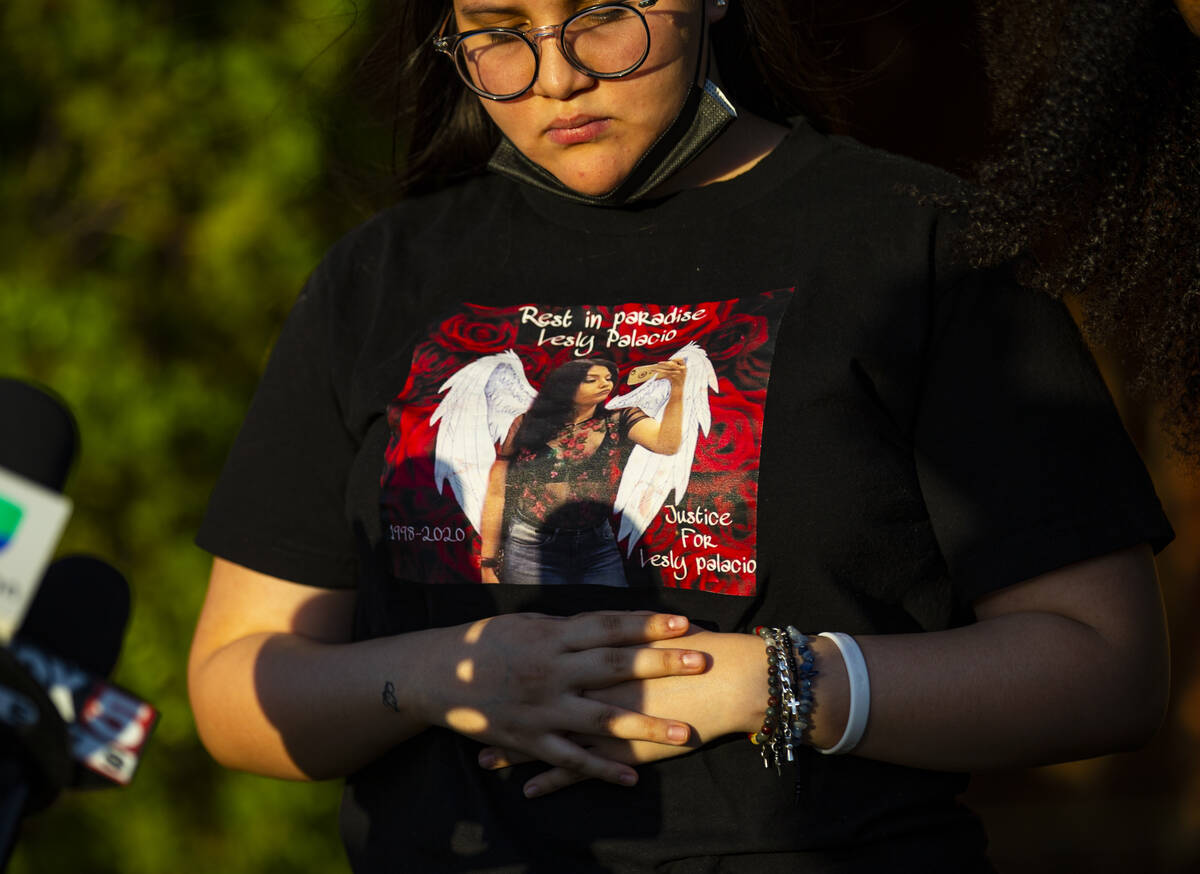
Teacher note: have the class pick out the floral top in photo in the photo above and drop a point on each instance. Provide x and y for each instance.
(572, 481)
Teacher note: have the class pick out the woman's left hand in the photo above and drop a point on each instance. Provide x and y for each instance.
(729, 697)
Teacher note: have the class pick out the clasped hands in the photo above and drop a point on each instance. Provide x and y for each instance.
(594, 694)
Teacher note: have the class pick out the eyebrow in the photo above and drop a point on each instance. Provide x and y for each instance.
(488, 9)
(485, 8)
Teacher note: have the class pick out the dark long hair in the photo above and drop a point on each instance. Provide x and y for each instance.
(441, 132)
(554, 405)
(1095, 188)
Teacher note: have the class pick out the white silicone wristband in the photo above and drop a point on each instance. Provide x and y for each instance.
(860, 692)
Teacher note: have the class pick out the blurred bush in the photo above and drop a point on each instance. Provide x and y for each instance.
(165, 174)
(170, 172)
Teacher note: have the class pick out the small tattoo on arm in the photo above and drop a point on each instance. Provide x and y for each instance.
(389, 697)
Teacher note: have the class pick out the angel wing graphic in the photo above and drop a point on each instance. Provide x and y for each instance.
(481, 401)
(483, 398)
(649, 477)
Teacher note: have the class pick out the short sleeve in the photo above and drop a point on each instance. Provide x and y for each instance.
(279, 506)
(1024, 464)
(630, 416)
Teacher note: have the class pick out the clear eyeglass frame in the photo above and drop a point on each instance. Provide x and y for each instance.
(448, 45)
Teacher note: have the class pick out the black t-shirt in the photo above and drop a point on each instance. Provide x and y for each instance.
(874, 437)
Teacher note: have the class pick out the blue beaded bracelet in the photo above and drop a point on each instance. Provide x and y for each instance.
(806, 673)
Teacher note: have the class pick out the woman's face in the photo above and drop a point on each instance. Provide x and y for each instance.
(590, 132)
(597, 385)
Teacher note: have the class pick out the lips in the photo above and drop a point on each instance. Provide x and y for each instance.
(575, 130)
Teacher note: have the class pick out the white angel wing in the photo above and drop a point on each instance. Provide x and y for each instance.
(649, 477)
(481, 401)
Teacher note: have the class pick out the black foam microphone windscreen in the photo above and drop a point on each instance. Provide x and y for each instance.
(79, 613)
(38, 435)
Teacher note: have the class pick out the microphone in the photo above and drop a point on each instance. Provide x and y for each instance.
(68, 644)
(37, 445)
(31, 725)
(79, 613)
(38, 438)
(61, 723)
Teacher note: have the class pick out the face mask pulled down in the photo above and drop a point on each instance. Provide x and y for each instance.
(705, 114)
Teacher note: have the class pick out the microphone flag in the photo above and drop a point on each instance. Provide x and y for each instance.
(32, 518)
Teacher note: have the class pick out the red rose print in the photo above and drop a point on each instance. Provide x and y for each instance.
(475, 333)
(430, 368)
(740, 335)
(734, 439)
(751, 371)
(538, 363)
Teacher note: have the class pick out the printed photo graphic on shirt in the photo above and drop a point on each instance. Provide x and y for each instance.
(597, 445)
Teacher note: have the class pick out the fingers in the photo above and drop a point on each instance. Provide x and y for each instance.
(495, 759)
(560, 777)
(588, 630)
(571, 758)
(551, 781)
(607, 666)
(606, 728)
(609, 721)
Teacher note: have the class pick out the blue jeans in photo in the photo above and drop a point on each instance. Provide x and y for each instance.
(555, 556)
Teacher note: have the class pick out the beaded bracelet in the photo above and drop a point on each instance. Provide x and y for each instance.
(790, 672)
(806, 673)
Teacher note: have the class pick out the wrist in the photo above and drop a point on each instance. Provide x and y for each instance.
(432, 683)
(831, 695)
(751, 695)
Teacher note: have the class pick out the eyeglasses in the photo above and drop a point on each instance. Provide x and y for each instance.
(607, 41)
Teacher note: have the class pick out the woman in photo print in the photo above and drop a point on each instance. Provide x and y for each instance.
(562, 463)
(945, 537)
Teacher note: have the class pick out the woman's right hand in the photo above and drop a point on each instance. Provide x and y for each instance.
(279, 687)
(517, 682)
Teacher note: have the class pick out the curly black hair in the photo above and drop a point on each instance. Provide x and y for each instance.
(1094, 187)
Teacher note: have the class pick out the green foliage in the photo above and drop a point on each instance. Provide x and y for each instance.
(164, 173)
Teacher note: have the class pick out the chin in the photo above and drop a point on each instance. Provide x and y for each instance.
(591, 185)
(592, 178)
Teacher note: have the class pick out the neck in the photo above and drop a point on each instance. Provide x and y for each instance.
(747, 141)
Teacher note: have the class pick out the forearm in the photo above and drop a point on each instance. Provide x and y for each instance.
(1063, 666)
(1015, 690)
(670, 430)
(278, 689)
(492, 521)
(663, 436)
(280, 705)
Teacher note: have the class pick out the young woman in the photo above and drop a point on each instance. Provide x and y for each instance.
(917, 458)
(562, 461)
